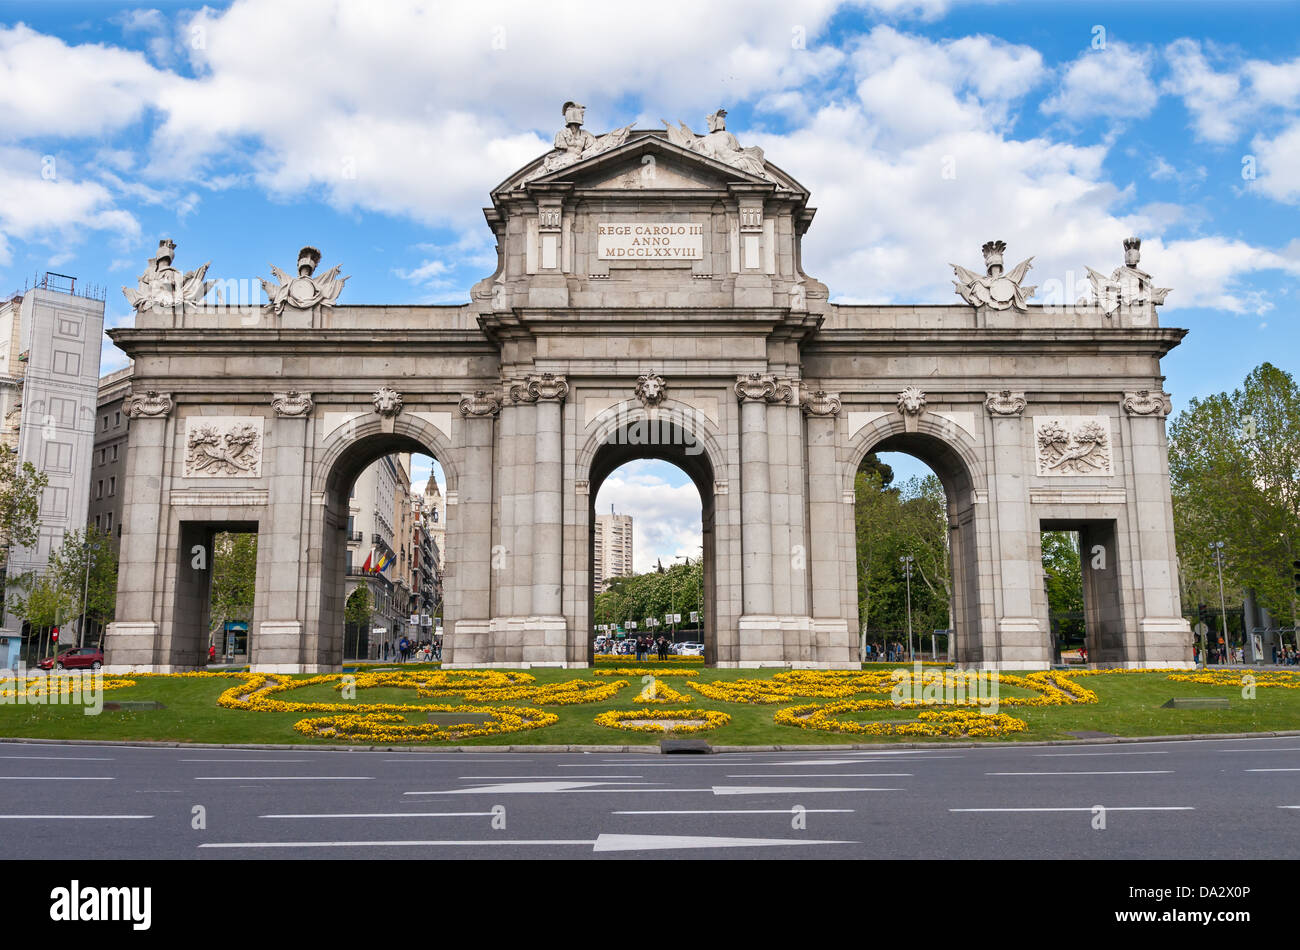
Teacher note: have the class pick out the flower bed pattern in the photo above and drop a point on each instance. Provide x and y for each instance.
(684, 720)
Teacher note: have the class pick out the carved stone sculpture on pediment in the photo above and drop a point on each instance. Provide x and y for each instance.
(1127, 285)
(304, 291)
(719, 145)
(573, 143)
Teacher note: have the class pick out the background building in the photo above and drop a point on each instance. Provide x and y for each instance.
(371, 554)
(49, 389)
(612, 549)
(108, 458)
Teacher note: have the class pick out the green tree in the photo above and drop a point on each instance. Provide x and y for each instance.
(357, 610)
(80, 550)
(21, 487)
(1234, 465)
(1063, 570)
(234, 577)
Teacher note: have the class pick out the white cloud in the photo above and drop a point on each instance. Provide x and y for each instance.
(1223, 101)
(665, 512)
(1278, 164)
(1113, 82)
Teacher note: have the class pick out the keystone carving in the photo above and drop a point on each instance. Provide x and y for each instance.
(388, 402)
(651, 389)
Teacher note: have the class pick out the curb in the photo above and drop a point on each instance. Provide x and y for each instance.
(650, 749)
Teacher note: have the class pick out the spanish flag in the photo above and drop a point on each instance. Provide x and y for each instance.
(385, 559)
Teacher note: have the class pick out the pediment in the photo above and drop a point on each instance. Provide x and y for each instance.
(647, 161)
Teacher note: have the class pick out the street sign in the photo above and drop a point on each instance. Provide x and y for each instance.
(695, 616)
(1201, 629)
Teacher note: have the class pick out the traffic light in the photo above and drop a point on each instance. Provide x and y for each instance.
(1203, 613)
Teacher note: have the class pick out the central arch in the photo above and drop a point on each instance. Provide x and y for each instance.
(664, 435)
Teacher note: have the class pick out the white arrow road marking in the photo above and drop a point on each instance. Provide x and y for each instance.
(787, 790)
(542, 788)
(670, 842)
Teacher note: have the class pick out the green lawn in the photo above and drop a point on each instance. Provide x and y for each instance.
(1130, 706)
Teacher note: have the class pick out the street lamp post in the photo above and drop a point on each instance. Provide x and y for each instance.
(1216, 551)
(906, 561)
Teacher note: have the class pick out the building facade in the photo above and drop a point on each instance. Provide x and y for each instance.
(650, 301)
(108, 457)
(611, 551)
(49, 386)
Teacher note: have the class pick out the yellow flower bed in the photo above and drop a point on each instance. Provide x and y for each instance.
(35, 687)
(954, 723)
(1231, 677)
(622, 658)
(390, 727)
(657, 691)
(618, 719)
(643, 671)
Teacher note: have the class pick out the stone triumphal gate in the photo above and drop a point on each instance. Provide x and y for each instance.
(649, 301)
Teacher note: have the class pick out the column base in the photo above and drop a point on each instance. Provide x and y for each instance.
(1024, 646)
(512, 643)
(279, 646)
(792, 641)
(131, 647)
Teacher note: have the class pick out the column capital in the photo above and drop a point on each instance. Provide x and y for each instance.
(150, 403)
(821, 403)
(1144, 402)
(1005, 403)
(482, 403)
(544, 387)
(762, 387)
(294, 404)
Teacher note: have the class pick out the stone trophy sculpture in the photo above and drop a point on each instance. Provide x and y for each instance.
(573, 143)
(1127, 285)
(164, 287)
(304, 291)
(719, 144)
(995, 290)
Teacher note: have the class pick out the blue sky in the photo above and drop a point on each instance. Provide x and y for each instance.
(375, 132)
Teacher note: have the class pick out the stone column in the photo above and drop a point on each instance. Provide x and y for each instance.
(132, 642)
(1160, 637)
(545, 638)
(832, 640)
(755, 391)
(280, 640)
(472, 571)
(1021, 639)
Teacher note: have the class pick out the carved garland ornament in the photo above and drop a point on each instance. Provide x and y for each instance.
(217, 447)
(1073, 445)
(482, 403)
(651, 389)
(293, 403)
(152, 403)
(1005, 403)
(821, 403)
(545, 387)
(758, 387)
(1146, 403)
(388, 402)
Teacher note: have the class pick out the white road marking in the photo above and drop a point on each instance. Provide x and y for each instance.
(1258, 750)
(1090, 808)
(1058, 754)
(825, 775)
(540, 778)
(787, 790)
(284, 778)
(812, 762)
(1147, 772)
(59, 758)
(538, 788)
(394, 814)
(486, 842)
(674, 842)
(76, 817)
(760, 811)
(243, 760)
(1272, 770)
(56, 778)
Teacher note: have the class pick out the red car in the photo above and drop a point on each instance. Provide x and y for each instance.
(78, 658)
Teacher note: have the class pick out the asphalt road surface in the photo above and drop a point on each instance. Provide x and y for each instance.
(1224, 798)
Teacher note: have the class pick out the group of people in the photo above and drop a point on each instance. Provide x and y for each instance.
(408, 650)
(885, 652)
(644, 644)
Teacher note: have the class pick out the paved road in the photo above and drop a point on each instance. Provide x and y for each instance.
(1226, 798)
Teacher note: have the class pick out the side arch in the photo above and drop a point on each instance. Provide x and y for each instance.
(346, 438)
